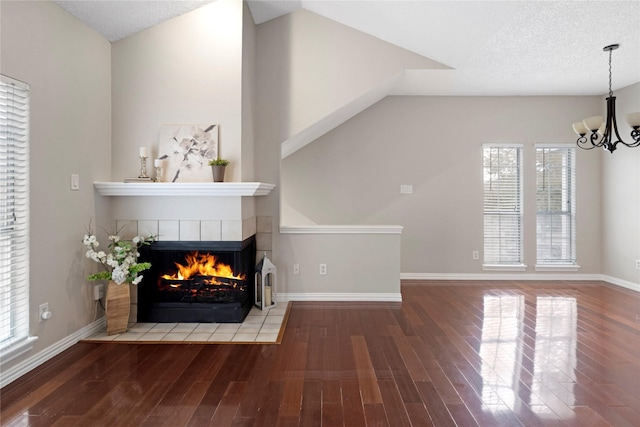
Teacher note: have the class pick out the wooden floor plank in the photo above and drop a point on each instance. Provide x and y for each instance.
(352, 403)
(269, 407)
(454, 353)
(366, 374)
(393, 404)
(228, 407)
(181, 411)
(311, 409)
(376, 416)
(291, 398)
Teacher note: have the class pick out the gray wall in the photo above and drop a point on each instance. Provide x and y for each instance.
(621, 196)
(68, 68)
(248, 93)
(187, 70)
(353, 174)
(307, 68)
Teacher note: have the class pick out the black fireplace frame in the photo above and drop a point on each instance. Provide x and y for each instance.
(241, 255)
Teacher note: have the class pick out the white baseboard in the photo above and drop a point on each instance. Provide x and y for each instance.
(498, 276)
(9, 375)
(393, 297)
(513, 276)
(319, 296)
(622, 283)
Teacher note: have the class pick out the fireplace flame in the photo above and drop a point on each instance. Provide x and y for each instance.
(201, 265)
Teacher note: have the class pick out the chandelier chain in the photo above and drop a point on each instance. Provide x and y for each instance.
(610, 91)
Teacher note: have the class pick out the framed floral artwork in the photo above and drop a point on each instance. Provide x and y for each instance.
(185, 151)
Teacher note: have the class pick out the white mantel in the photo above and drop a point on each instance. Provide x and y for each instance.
(213, 189)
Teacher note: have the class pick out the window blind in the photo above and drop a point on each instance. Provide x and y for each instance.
(502, 178)
(555, 205)
(14, 212)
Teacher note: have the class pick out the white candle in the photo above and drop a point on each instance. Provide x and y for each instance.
(143, 151)
(157, 163)
(267, 296)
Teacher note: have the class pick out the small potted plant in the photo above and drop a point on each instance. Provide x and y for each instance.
(218, 166)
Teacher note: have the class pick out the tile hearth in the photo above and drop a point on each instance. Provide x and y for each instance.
(259, 327)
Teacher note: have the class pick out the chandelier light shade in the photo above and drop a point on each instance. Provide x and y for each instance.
(604, 132)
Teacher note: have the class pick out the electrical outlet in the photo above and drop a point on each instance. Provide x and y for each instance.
(43, 308)
(323, 269)
(406, 189)
(476, 255)
(98, 291)
(638, 264)
(296, 269)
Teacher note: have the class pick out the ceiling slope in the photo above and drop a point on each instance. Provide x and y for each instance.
(496, 47)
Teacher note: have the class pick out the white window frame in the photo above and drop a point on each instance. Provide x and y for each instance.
(502, 261)
(14, 219)
(567, 259)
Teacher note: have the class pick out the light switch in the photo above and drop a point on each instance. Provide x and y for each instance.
(75, 182)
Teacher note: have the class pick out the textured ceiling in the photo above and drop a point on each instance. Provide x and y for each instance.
(493, 47)
(116, 19)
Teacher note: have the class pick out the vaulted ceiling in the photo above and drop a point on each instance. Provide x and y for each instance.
(492, 47)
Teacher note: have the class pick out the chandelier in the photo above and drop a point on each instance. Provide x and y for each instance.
(603, 132)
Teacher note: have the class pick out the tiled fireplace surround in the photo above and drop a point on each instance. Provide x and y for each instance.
(193, 212)
(202, 230)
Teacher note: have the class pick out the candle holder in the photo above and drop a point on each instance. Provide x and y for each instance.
(158, 174)
(265, 281)
(143, 167)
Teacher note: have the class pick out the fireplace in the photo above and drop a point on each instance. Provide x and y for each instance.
(197, 281)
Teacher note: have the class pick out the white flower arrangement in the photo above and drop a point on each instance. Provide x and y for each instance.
(121, 263)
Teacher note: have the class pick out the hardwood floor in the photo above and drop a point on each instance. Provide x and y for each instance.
(453, 353)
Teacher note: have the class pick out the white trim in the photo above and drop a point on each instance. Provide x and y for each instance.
(11, 374)
(342, 229)
(502, 145)
(17, 349)
(622, 283)
(501, 267)
(557, 267)
(506, 276)
(555, 145)
(317, 296)
(11, 81)
(480, 277)
(200, 189)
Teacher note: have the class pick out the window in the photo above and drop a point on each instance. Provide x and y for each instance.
(502, 176)
(14, 214)
(555, 205)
